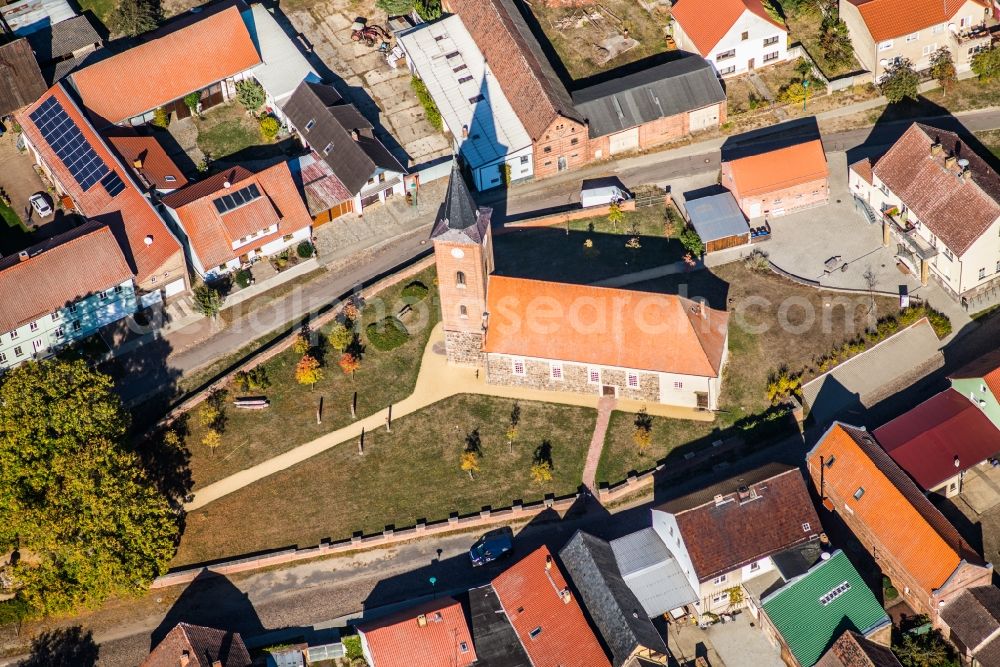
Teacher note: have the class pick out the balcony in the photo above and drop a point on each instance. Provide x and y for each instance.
(964, 36)
(906, 232)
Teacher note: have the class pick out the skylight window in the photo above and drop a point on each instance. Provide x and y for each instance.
(860, 492)
(835, 593)
(311, 124)
(534, 633)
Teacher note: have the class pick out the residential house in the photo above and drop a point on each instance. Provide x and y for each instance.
(432, 634)
(614, 608)
(971, 622)
(910, 540)
(283, 67)
(343, 139)
(149, 162)
(25, 17)
(940, 440)
(979, 380)
(727, 534)
(780, 181)
(182, 57)
(548, 620)
(737, 36)
(939, 204)
(63, 44)
(237, 217)
(68, 299)
(493, 321)
(807, 614)
(496, 642)
(189, 645)
(853, 650)
(884, 31)
(653, 574)
(21, 81)
(92, 182)
(629, 112)
(493, 143)
(718, 220)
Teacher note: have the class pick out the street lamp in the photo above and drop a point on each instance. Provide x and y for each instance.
(805, 84)
(433, 581)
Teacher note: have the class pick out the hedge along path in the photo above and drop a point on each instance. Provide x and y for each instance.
(436, 381)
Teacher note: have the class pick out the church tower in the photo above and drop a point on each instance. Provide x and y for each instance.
(463, 251)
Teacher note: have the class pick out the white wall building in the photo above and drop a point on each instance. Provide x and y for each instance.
(736, 36)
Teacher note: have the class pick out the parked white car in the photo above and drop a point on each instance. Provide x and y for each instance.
(40, 203)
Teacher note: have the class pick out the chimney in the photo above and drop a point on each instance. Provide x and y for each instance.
(22, 256)
(744, 493)
(950, 161)
(548, 563)
(137, 163)
(567, 597)
(422, 621)
(958, 462)
(185, 658)
(216, 663)
(465, 131)
(719, 499)
(355, 135)
(936, 148)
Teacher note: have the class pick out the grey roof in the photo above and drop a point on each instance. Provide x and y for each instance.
(493, 636)
(616, 610)
(973, 615)
(461, 219)
(716, 217)
(63, 38)
(668, 89)
(21, 81)
(652, 573)
(797, 560)
(354, 161)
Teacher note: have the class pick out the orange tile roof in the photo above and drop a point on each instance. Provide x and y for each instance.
(778, 169)
(156, 165)
(167, 67)
(985, 367)
(604, 326)
(892, 507)
(212, 234)
(537, 601)
(863, 168)
(706, 26)
(129, 214)
(58, 272)
(399, 640)
(887, 19)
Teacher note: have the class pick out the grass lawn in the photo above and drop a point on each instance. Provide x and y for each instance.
(14, 235)
(803, 25)
(101, 8)
(741, 96)
(412, 473)
(251, 436)
(752, 357)
(991, 140)
(644, 221)
(226, 130)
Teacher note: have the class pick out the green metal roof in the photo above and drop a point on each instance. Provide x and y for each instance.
(806, 624)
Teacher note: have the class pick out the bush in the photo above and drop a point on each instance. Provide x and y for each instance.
(414, 292)
(986, 64)
(161, 118)
(13, 611)
(352, 647)
(304, 250)
(243, 278)
(250, 94)
(269, 128)
(387, 334)
(431, 111)
(692, 242)
(757, 261)
(191, 100)
(792, 92)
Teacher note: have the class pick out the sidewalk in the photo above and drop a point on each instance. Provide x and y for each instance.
(437, 380)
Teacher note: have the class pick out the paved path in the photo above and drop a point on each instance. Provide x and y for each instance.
(437, 380)
(605, 406)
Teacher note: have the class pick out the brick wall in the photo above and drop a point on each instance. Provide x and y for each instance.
(464, 348)
(575, 378)
(797, 197)
(471, 294)
(563, 138)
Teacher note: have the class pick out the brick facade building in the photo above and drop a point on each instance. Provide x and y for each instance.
(778, 182)
(560, 337)
(913, 543)
(570, 128)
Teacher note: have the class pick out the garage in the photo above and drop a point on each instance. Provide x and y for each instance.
(174, 288)
(625, 141)
(704, 119)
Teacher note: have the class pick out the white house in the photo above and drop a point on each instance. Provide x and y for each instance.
(939, 204)
(727, 534)
(736, 36)
(484, 127)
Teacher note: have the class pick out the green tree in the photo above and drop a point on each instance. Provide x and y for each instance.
(943, 68)
(615, 215)
(250, 94)
(692, 242)
(986, 64)
(340, 337)
(428, 10)
(395, 7)
(191, 101)
(899, 82)
(835, 40)
(134, 17)
(208, 301)
(72, 494)
(927, 650)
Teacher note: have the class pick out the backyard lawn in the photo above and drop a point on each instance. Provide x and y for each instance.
(251, 436)
(101, 8)
(804, 25)
(412, 473)
(644, 221)
(752, 356)
(226, 130)
(13, 234)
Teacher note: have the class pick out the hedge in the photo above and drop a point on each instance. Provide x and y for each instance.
(414, 292)
(387, 334)
(431, 110)
(305, 250)
(243, 278)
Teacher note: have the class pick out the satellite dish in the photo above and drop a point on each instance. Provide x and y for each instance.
(963, 163)
(825, 555)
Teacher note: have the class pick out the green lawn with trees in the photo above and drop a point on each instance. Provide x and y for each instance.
(82, 518)
(417, 471)
(295, 390)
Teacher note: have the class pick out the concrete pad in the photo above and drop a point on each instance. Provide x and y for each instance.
(740, 645)
(858, 382)
(981, 488)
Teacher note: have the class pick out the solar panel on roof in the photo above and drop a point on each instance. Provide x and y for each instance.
(70, 146)
(237, 198)
(113, 183)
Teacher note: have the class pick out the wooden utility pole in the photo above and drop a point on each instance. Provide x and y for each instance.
(319, 411)
(361, 442)
(388, 420)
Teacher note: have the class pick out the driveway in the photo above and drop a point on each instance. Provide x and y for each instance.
(19, 180)
(981, 488)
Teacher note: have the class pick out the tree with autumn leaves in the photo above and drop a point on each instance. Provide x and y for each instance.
(308, 371)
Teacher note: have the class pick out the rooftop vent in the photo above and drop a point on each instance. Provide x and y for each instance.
(958, 462)
(744, 493)
(227, 184)
(936, 148)
(22, 256)
(567, 597)
(950, 161)
(148, 240)
(548, 562)
(422, 621)
(963, 163)
(719, 499)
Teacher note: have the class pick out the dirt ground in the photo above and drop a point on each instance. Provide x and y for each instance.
(600, 36)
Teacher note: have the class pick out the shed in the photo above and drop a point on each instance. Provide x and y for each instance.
(21, 81)
(28, 16)
(652, 573)
(719, 221)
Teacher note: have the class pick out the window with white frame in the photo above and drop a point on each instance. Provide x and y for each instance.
(719, 598)
(463, 312)
(754, 566)
(33, 326)
(60, 332)
(771, 40)
(555, 370)
(18, 352)
(726, 55)
(721, 579)
(633, 380)
(727, 70)
(806, 527)
(3, 358)
(13, 334)
(56, 316)
(768, 57)
(938, 29)
(77, 326)
(517, 366)
(678, 384)
(594, 374)
(885, 46)
(929, 49)
(982, 273)
(912, 37)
